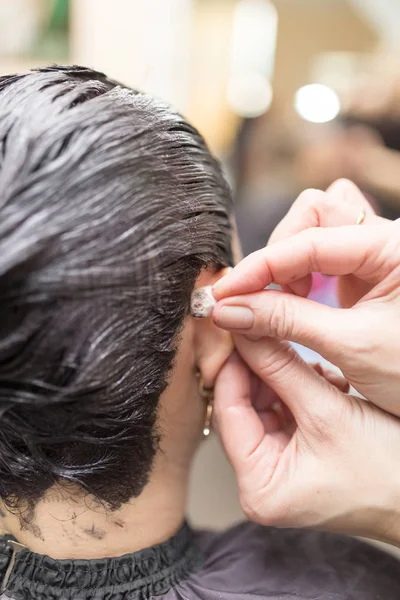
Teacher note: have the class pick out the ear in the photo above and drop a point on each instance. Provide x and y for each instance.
(213, 346)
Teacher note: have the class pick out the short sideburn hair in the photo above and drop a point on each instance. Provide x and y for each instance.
(110, 206)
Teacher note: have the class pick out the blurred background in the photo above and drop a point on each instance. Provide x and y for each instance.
(289, 94)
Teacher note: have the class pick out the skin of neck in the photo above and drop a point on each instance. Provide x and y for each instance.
(66, 523)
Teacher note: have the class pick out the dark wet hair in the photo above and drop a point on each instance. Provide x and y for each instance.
(110, 206)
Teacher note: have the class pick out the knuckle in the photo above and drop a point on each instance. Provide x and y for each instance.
(313, 202)
(310, 197)
(308, 242)
(349, 195)
(277, 362)
(254, 508)
(314, 236)
(359, 341)
(342, 185)
(281, 318)
(249, 509)
(262, 510)
(320, 423)
(325, 418)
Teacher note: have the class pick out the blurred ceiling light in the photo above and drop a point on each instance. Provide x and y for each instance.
(255, 24)
(317, 103)
(249, 94)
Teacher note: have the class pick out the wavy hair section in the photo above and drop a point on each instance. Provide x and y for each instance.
(110, 206)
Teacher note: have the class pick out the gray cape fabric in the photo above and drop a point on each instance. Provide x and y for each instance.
(255, 563)
(247, 562)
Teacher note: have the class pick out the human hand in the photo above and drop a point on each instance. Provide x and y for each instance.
(340, 205)
(360, 340)
(319, 458)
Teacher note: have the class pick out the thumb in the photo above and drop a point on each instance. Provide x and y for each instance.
(243, 433)
(308, 396)
(286, 317)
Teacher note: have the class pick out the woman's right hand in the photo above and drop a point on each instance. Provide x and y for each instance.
(304, 453)
(362, 340)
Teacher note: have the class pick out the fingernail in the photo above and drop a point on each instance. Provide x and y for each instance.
(254, 338)
(235, 317)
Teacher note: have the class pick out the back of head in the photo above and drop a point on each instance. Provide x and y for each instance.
(110, 206)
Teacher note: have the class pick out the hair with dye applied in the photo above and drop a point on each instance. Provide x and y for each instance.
(110, 206)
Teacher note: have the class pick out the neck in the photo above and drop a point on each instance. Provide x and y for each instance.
(74, 526)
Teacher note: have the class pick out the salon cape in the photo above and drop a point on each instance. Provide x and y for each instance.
(246, 562)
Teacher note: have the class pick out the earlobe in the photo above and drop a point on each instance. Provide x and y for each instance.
(213, 348)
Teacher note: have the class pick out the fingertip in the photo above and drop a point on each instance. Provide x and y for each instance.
(216, 311)
(218, 289)
(214, 314)
(233, 370)
(317, 367)
(346, 186)
(301, 287)
(226, 286)
(233, 359)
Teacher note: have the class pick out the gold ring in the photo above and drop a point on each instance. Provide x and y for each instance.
(361, 217)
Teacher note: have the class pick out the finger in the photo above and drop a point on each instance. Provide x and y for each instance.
(302, 287)
(350, 290)
(274, 314)
(333, 377)
(333, 251)
(336, 380)
(301, 389)
(268, 406)
(241, 430)
(340, 205)
(265, 400)
(271, 421)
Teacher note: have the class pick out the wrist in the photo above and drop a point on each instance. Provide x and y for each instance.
(377, 517)
(385, 523)
(388, 530)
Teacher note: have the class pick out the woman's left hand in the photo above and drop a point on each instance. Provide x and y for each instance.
(360, 339)
(325, 459)
(317, 457)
